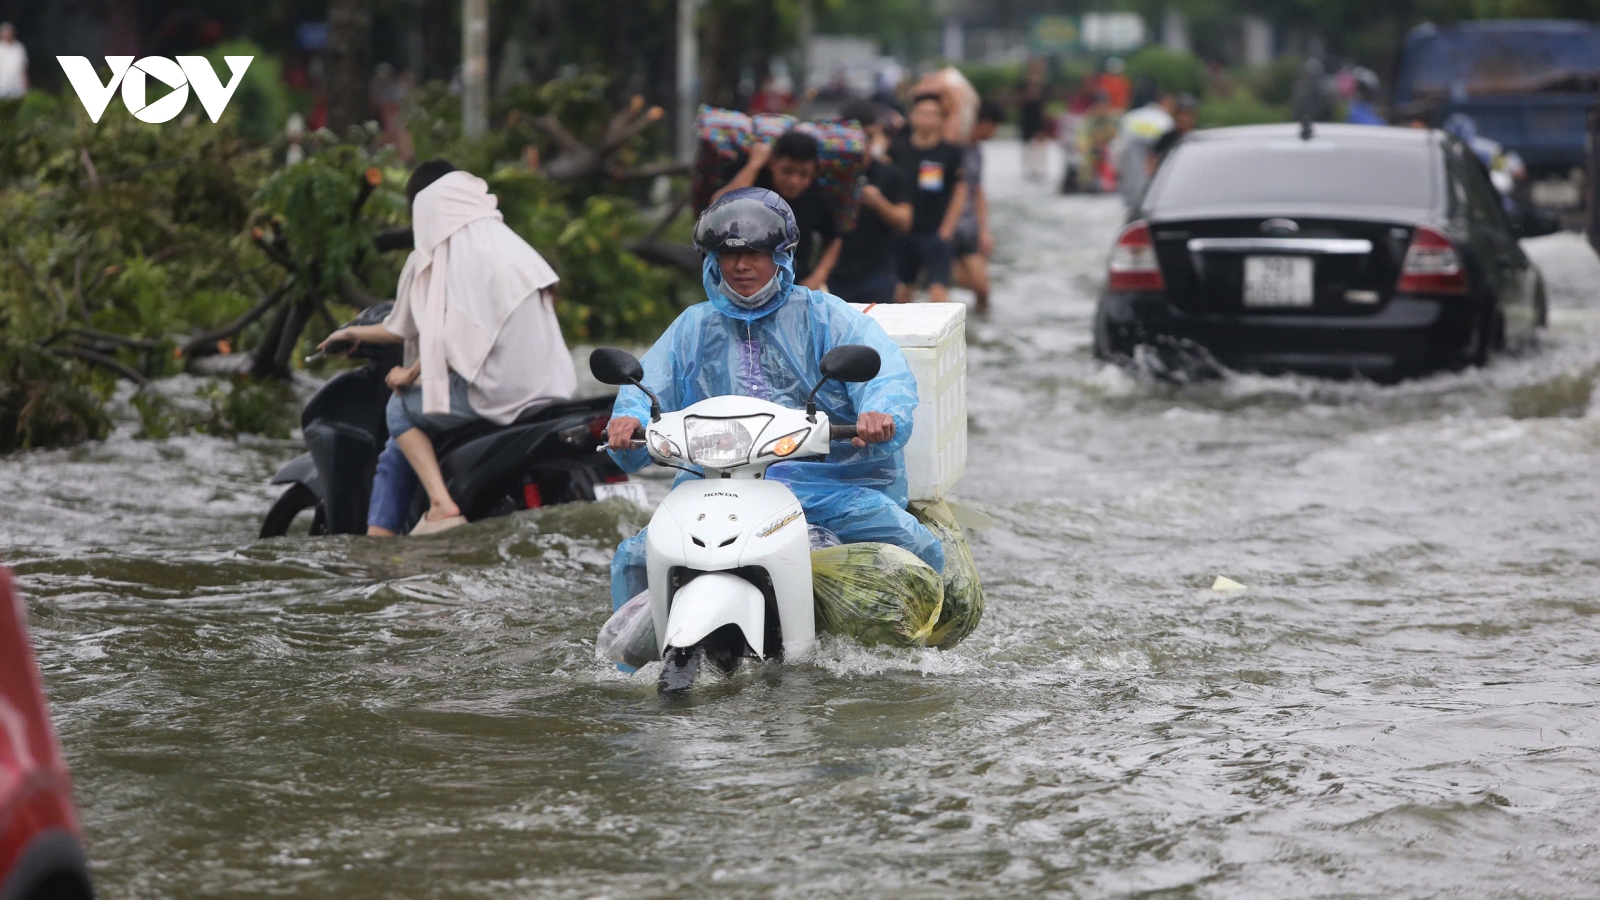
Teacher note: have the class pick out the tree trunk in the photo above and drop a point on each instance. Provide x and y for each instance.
(474, 67)
(349, 62)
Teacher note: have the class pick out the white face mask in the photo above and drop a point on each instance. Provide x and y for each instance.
(758, 299)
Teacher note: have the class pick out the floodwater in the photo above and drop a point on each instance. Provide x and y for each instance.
(1402, 703)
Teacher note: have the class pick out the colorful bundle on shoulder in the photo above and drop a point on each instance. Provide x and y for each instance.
(771, 126)
(722, 137)
(841, 163)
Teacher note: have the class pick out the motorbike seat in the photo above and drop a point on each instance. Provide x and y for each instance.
(540, 412)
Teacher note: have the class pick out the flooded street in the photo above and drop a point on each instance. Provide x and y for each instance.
(1402, 703)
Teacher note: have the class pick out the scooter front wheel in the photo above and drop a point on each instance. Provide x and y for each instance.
(296, 500)
(679, 668)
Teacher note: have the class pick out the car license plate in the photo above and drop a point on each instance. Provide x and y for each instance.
(1278, 281)
(627, 490)
(1557, 194)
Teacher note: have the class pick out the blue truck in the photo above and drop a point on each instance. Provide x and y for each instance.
(1528, 84)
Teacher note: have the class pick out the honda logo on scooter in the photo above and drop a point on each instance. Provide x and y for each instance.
(179, 75)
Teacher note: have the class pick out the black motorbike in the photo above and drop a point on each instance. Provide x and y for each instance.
(547, 456)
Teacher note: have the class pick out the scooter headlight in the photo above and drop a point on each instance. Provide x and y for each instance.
(722, 443)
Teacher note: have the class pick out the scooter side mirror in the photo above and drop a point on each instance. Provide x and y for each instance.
(846, 362)
(851, 362)
(615, 367)
(619, 367)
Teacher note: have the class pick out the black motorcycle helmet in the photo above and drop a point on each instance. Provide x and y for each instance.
(747, 219)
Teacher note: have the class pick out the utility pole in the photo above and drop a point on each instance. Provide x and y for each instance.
(474, 67)
(807, 29)
(688, 87)
(349, 62)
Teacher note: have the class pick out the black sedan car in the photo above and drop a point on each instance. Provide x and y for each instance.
(1335, 250)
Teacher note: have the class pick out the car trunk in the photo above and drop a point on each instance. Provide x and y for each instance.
(1354, 264)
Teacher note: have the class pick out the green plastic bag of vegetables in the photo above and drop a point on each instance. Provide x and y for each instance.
(963, 594)
(876, 593)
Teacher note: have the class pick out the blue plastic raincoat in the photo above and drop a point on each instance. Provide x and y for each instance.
(773, 352)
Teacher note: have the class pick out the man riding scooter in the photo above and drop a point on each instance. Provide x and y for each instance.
(761, 335)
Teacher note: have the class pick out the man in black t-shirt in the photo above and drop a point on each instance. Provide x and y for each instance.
(938, 195)
(788, 167)
(868, 269)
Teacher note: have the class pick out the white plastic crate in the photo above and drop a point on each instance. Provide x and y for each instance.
(934, 339)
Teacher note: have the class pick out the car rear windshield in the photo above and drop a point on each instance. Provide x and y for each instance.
(1203, 173)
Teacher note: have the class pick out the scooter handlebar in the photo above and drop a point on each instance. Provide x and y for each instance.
(842, 432)
(638, 441)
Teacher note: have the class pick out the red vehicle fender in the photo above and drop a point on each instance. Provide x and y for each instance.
(40, 835)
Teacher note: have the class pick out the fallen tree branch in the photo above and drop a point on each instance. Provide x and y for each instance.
(666, 253)
(169, 252)
(552, 126)
(127, 173)
(672, 214)
(106, 337)
(353, 294)
(631, 130)
(272, 249)
(100, 359)
(77, 287)
(327, 317)
(199, 341)
(649, 171)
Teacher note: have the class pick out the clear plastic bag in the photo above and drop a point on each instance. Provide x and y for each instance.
(963, 593)
(822, 538)
(629, 636)
(876, 594)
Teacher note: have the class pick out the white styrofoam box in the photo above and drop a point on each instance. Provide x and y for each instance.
(933, 337)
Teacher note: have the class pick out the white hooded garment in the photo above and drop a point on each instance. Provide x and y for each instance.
(474, 299)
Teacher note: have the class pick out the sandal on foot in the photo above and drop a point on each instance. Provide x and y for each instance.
(438, 526)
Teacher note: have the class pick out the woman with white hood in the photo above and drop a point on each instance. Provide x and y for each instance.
(476, 313)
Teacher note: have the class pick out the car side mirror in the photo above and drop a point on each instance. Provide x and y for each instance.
(847, 363)
(851, 363)
(619, 367)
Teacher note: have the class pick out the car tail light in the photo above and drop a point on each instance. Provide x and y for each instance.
(1133, 265)
(1432, 266)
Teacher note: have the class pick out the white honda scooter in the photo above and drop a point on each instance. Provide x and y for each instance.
(729, 556)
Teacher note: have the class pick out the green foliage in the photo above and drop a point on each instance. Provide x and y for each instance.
(993, 80)
(1171, 71)
(580, 103)
(240, 407)
(44, 400)
(1274, 82)
(260, 104)
(123, 240)
(619, 295)
(312, 203)
(125, 227)
(606, 292)
(265, 408)
(1240, 109)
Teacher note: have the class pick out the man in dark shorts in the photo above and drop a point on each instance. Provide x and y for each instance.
(867, 271)
(1031, 96)
(788, 167)
(938, 194)
(974, 244)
